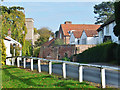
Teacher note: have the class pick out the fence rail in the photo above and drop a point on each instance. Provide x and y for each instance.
(102, 68)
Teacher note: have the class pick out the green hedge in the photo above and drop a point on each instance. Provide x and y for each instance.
(107, 52)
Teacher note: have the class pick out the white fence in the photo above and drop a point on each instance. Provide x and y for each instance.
(102, 68)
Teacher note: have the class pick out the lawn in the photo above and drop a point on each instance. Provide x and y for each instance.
(13, 77)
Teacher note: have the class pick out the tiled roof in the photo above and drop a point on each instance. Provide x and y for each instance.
(90, 33)
(77, 34)
(69, 27)
(48, 43)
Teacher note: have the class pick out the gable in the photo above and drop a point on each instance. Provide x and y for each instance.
(83, 35)
(77, 34)
(78, 27)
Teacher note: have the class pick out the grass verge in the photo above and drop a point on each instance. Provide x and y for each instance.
(13, 77)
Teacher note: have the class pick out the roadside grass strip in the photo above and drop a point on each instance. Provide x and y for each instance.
(13, 77)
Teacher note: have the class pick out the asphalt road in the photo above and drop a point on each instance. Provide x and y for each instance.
(89, 74)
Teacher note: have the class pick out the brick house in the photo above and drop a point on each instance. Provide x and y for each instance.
(67, 27)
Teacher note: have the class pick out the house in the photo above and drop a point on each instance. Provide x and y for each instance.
(105, 32)
(8, 41)
(84, 37)
(66, 28)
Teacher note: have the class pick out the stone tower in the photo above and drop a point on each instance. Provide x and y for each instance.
(30, 29)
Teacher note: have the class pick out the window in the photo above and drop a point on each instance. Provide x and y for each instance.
(60, 36)
(78, 41)
(107, 29)
(84, 41)
(101, 34)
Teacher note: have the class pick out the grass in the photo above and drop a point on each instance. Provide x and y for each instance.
(13, 77)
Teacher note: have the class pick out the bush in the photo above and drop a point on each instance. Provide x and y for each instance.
(3, 52)
(36, 51)
(105, 52)
(59, 42)
(66, 59)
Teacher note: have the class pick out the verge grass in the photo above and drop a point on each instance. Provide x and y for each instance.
(13, 77)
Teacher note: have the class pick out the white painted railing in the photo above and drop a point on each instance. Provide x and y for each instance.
(102, 68)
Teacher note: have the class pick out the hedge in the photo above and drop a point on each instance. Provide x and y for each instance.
(106, 53)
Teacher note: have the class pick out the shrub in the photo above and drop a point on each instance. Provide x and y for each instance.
(36, 51)
(3, 52)
(105, 52)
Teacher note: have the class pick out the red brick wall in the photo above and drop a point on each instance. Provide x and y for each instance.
(53, 52)
(81, 48)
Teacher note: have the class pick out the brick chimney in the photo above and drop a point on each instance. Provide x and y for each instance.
(9, 32)
(68, 22)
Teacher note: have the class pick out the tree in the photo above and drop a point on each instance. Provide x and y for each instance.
(117, 19)
(103, 10)
(3, 52)
(59, 42)
(13, 19)
(56, 34)
(45, 33)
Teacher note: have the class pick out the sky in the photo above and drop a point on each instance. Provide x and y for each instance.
(52, 14)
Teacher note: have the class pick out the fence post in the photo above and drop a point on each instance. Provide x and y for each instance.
(12, 61)
(64, 70)
(80, 73)
(103, 85)
(18, 62)
(32, 64)
(24, 62)
(39, 66)
(50, 67)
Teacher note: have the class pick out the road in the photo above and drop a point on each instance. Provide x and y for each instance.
(89, 74)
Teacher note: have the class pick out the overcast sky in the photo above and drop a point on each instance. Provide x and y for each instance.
(52, 14)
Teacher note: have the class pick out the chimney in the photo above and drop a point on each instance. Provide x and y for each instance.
(68, 22)
(9, 32)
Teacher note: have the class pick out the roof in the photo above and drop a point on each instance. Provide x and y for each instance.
(29, 19)
(110, 20)
(77, 34)
(7, 38)
(48, 43)
(14, 41)
(78, 27)
(90, 33)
